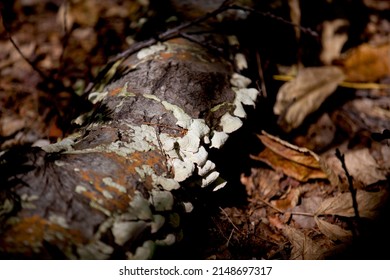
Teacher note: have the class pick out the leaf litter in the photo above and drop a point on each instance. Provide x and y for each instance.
(291, 194)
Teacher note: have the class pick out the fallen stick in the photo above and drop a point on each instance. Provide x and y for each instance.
(108, 191)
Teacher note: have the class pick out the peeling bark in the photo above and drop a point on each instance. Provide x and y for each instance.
(108, 191)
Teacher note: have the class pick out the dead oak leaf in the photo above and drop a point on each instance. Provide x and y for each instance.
(299, 163)
(341, 205)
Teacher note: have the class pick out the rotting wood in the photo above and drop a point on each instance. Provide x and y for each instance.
(107, 191)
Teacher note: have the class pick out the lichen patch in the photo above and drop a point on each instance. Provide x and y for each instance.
(109, 182)
(145, 52)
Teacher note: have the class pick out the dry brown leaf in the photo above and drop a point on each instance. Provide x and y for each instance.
(341, 205)
(332, 40)
(262, 182)
(296, 162)
(295, 15)
(64, 18)
(294, 153)
(289, 202)
(380, 5)
(85, 13)
(367, 63)
(10, 125)
(305, 94)
(303, 247)
(276, 222)
(307, 205)
(334, 232)
(319, 135)
(363, 167)
(374, 114)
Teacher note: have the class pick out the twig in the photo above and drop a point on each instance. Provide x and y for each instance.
(354, 224)
(355, 85)
(275, 17)
(350, 183)
(195, 40)
(230, 237)
(261, 75)
(39, 71)
(46, 78)
(33, 66)
(285, 212)
(65, 39)
(219, 229)
(227, 216)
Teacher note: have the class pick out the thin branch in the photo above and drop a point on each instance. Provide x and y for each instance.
(285, 212)
(195, 40)
(227, 216)
(33, 66)
(352, 190)
(230, 237)
(305, 30)
(354, 224)
(261, 75)
(45, 77)
(65, 39)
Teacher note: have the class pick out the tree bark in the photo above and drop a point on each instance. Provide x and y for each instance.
(110, 191)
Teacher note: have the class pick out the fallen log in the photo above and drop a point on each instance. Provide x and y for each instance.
(109, 191)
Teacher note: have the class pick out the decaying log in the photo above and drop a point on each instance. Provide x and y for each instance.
(108, 191)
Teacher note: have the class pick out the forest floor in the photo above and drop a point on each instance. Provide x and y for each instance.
(308, 172)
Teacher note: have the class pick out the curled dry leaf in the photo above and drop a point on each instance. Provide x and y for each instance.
(341, 205)
(305, 94)
(296, 162)
(333, 232)
(367, 63)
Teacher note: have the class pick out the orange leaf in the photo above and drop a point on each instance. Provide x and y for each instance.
(298, 163)
(367, 63)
